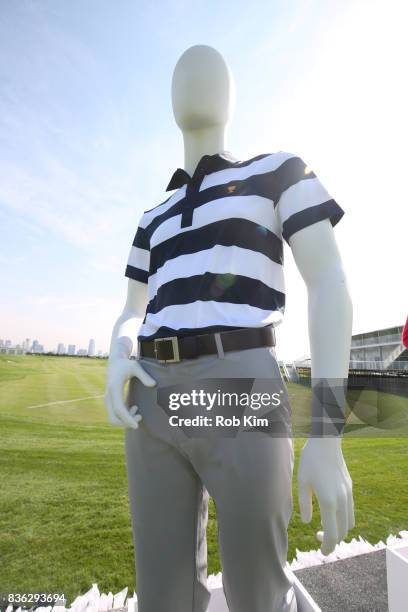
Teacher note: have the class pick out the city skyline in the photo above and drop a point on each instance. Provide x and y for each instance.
(369, 349)
(34, 346)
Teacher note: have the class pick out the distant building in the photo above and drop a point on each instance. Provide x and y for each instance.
(91, 348)
(61, 349)
(37, 347)
(71, 349)
(82, 352)
(380, 349)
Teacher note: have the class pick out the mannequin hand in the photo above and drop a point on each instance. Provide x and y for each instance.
(323, 471)
(120, 370)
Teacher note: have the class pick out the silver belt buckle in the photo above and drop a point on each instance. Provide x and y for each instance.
(174, 343)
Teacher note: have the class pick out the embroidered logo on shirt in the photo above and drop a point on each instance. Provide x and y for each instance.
(231, 188)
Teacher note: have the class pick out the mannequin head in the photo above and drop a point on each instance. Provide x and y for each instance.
(202, 89)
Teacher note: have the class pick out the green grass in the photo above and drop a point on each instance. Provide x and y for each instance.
(64, 514)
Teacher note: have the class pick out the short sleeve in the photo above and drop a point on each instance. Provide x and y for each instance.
(138, 262)
(302, 199)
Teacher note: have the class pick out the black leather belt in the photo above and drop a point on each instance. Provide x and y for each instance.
(173, 348)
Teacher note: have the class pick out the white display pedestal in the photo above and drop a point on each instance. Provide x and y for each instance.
(305, 602)
(217, 601)
(397, 577)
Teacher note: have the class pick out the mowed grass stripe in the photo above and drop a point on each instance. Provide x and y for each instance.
(77, 399)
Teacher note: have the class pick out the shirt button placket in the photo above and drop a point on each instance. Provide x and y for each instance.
(193, 187)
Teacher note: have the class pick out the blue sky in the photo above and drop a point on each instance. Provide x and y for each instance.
(88, 141)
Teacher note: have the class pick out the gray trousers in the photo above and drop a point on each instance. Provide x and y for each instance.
(170, 478)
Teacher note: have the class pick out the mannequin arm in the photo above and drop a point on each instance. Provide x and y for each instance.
(125, 328)
(322, 468)
(330, 308)
(120, 367)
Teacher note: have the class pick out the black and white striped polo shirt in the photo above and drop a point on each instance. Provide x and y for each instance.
(212, 253)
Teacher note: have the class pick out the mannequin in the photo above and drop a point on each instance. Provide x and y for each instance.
(203, 97)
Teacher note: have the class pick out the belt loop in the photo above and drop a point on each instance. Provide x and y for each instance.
(220, 348)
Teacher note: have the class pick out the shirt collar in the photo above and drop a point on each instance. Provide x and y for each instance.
(212, 163)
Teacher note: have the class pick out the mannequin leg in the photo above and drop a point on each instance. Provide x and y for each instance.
(253, 498)
(169, 508)
(250, 479)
